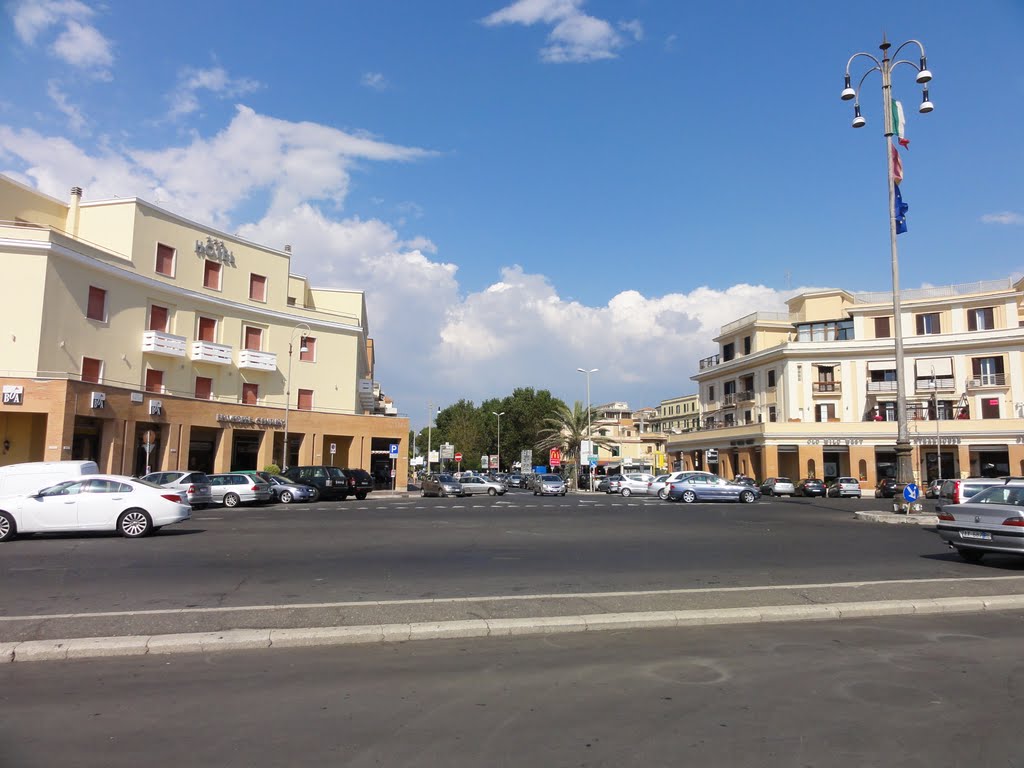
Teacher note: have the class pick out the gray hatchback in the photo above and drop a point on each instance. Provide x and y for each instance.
(232, 489)
(193, 486)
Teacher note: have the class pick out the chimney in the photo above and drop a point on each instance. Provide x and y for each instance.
(71, 226)
(287, 249)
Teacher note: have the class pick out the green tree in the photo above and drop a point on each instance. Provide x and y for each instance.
(565, 429)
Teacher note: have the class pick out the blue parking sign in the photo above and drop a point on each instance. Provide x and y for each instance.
(911, 493)
(393, 450)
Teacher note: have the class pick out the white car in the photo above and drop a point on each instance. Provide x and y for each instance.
(133, 508)
(474, 484)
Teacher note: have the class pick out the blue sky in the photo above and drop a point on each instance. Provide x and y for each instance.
(524, 188)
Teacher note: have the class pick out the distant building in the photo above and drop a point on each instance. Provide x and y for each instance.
(678, 414)
(635, 446)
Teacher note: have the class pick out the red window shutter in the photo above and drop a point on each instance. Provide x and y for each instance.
(154, 381)
(164, 260)
(253, 337)
(97, 303)
(211, 275)
(91, 369)
(310, 354)
(257, 287)
(158, 318)
(250, 393)
(305, 400)
(207, 329)
(204, 388)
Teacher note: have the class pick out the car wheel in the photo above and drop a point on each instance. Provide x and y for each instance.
(134, 524)
(492, 492)
(747, 497)
(361, 496)
(231, 499)
(8, 529)
(688, 496)
(626, 492)
(970, 555)
(286, 497)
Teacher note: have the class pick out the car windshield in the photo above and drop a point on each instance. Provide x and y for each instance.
(1000, 494)
(335, 472)
(445, 479)
(551, 479)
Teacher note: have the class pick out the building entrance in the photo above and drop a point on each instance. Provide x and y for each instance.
(147, 461)
(245, 449)
(85, 443)
(202, 447)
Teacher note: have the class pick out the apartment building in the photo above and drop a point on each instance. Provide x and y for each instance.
(634, 444)
(137, 338)
(677, 414)
(812, 392)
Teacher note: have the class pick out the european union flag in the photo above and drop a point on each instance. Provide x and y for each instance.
(900, 212)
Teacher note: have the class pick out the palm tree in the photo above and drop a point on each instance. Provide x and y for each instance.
(565, 430)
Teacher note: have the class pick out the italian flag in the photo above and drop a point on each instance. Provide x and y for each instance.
(899, 123)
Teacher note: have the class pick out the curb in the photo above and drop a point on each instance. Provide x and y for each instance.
(311, 637)
(893, 518)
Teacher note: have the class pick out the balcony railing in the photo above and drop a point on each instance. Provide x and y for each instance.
(987, 380)
(881, 386)
(729, 400)
(208, 352)
(161, 343)
(832, 387)
(746, 396)
(710, 362)
(939, 383)
(260, 361)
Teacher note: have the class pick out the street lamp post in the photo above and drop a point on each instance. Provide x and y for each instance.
(904, 464)
(590, 436)
(499, 415)
(288, 384)
(938, 438)
(430, 423)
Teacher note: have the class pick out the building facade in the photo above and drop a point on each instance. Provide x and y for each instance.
(812, 392)
(633, 445)
(677, 414)
(139, 339)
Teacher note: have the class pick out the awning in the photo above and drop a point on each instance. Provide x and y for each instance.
(881, 365)
(943, 366)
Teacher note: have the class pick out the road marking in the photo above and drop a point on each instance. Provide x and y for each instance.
(575, 595)
(207, 518)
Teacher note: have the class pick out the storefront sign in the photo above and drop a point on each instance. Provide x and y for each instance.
(249, 421)
(215, 250)
(13, 395)
(934, 440)
(837, 441)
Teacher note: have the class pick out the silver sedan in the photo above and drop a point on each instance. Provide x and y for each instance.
(992, 521)
(476, 485)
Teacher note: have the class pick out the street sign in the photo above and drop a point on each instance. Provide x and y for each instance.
(458, 457)
(526, 458)
(447, 451)
(392, 450)
(334, 448)
(712, 455)
(485, 461)
(593, 462)
(555, 457)
(911, 493)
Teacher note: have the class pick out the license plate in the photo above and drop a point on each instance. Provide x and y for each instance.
(981, 535)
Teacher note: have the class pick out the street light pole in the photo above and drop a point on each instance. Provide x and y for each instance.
(938, 439)
(430, 423)
(499, 415)
(590, 436)
(904, 464)
(288, 384)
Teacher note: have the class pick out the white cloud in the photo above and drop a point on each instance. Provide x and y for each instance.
(1005, 217)
(375, 80)
(575, 36)
(78, 43)
(215, 80)
(31, 17)
(60, 99)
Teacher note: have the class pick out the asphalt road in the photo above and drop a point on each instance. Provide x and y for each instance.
(903, 692)
(388, 549)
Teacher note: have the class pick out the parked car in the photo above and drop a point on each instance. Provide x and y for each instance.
(711, 488)
(550, 485)
(745, 480)
(604, 483)
(990, 522)
(886, 488)
(133, 508)
(934, 486)
(286, 491)
(333, 482)
(960, 491)
(659, 486)
(476, 485)
(441, 485)
(810, 486)
(515, 480)
(778, 486)
(234, 488)
(194, 486)
(629, 484)
(844, 486)
(32, 476)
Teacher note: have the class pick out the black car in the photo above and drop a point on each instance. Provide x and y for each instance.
(810, 486)
(886, 488)
(333, 482)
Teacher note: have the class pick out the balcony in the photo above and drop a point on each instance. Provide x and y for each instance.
(208, 352)
(938, 384)
(710, 362)
(256, 360)
(987, 380)
(835, 387)
(746, 396)
(729, 400)
(161, 343)
(367, 397)
(886, 387)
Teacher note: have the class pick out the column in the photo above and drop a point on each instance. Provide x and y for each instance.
(222, 456)
(184, 439)
(111, 436)
(808, 453)
(265, 454)
(963, 460)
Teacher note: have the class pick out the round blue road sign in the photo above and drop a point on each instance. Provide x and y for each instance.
(911, 492)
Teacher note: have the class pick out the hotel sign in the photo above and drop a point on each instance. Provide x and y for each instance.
(249, 421)
(215, 250)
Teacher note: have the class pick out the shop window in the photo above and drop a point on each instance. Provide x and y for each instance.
(97, 309)
(928, 324)
(981, 319)
(253, 338)
(154, 380)
(92, 370)
(305, 402)
(207, 329)
(164, 260)
(211, 275)
(990, 407)
(250, 394)
(309, 354)
(204, 388)
(158, 318)
(257, 287)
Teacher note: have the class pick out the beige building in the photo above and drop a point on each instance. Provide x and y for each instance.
(812, 392)
(126, 326)
(635, 446)
(677, 414)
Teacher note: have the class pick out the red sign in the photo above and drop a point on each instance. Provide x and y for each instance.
(458, 456)
(555, 458)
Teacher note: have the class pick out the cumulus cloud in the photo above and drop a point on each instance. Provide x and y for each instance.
(375, 80)
(78, 42)
(1005, 217)
(575, 36)
(215, 80)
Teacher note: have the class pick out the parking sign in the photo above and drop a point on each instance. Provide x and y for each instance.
(393, 450)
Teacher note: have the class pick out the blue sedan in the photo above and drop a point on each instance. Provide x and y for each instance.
(711, 488)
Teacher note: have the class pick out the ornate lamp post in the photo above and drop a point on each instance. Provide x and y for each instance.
(288, 384)
(904, 464)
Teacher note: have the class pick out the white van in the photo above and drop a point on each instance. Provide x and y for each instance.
(20, 479)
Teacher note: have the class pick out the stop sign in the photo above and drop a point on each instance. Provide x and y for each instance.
(458, 456)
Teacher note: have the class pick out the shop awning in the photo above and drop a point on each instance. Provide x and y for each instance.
(881, 365)
(943, 366)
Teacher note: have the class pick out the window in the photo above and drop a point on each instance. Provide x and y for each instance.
(882, 328)
(97, 309)
(771, 379)
(154, 380)
(207, 329)
(990, 407)
(257, 287)
(204, 388)
(772, 413)
(250, 394)
(711, 393)
(92, 370)
(164, 260)
(982, 319)
(158, 318)
(927, 323)
(836, 330)
(825, 412)
(253, 338)
(988, 371)
(305, 402)
(211, 275)
(309, 354)
(746, 345)
(728, 352)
